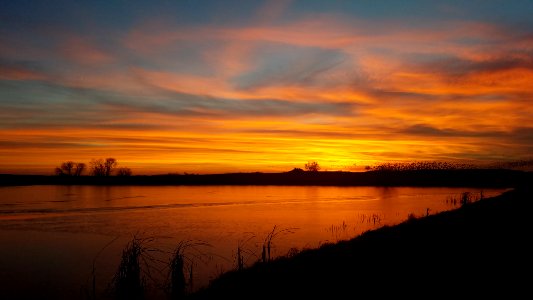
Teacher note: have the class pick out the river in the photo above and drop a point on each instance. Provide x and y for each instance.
(57, 239)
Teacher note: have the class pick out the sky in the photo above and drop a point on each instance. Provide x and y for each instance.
(263, 86)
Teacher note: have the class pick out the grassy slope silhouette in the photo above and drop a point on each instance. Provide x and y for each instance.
(480, 249)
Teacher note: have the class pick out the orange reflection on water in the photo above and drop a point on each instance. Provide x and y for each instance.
(224, 217)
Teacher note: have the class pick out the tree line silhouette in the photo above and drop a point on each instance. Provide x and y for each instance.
(107, 167)
(97, 167)
(420, 165)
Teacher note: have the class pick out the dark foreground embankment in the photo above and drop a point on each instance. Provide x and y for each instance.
(479, 250)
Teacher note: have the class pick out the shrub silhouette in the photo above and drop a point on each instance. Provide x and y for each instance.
(312, 166)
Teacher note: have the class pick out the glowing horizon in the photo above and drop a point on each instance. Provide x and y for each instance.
(263, 86)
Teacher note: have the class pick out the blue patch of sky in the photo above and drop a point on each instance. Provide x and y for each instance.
(410, 10)
(23, 93)
(180, 57)
(288, 65)
(123, 14)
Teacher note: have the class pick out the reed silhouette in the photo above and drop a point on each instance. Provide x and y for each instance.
(129, 281)
(181, 266)
(244, 253)
(268, 243)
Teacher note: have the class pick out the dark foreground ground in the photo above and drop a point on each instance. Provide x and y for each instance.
(479, 250)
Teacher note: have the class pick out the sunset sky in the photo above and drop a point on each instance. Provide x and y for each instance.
(244, 86)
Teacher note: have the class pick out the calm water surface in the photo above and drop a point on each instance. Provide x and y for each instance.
(52, 235)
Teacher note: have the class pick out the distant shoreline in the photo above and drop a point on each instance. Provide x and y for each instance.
(496, 178)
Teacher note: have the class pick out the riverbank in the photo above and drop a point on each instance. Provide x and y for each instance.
(494, 178)
(477, 250)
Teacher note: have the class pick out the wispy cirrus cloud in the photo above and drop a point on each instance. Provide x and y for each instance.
(20, 70)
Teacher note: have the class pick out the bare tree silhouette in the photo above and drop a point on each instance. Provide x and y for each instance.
(101, 167)
(123, 171)
(80, 167)
(97, 167)
(67, 167)
(70, 168)
(109, 165)
(312, 166)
